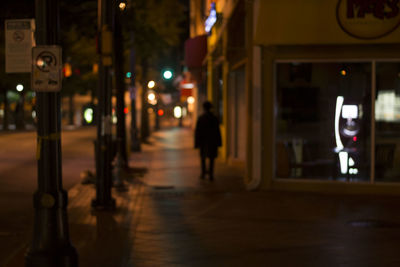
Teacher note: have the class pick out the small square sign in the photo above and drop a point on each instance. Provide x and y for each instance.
(46, 68)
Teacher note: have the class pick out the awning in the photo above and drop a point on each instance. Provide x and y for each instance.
(195, 51)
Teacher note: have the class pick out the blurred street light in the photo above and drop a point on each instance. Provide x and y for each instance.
(122, 6)
(20, 87)
(88, 115)
(151, 84)
(67, 70)
(177, 112)
(190, 100)
(151, 97)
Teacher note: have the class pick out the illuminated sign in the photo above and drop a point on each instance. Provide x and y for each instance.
(349, 111)
(368, 19)
(212, 18)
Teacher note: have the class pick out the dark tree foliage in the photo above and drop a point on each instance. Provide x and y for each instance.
(157, 25)
(78, 23)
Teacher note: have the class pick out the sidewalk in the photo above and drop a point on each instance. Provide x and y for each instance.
(156, 220)
(169, 217)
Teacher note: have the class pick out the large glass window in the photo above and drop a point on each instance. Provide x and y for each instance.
(387, 122)
(323, 120)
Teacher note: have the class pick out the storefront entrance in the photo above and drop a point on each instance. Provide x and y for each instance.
(337, 120)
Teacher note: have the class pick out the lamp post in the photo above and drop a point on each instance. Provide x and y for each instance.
(103, 145)
(122, 156)
(134, 131)
(144, 122)
(51, 244)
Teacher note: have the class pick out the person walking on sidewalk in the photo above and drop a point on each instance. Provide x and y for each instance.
(207, 138)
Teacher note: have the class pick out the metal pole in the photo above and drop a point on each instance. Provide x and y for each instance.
(135, 143)
(51, 244)
(156, 108)
(120, 86)
(144, 122)
(5, 118)
(103, 146)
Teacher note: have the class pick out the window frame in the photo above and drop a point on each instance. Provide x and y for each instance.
(373, 62)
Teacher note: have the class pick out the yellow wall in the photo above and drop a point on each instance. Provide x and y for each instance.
(305, 22)
(196, 19)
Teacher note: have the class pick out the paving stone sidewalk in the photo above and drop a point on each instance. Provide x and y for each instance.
(169, 217)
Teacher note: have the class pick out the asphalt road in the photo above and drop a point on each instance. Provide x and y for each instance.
(18, 180)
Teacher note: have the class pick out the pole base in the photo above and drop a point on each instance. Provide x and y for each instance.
(135, 144)
(136, 148)
(62, 257)
(103, 205)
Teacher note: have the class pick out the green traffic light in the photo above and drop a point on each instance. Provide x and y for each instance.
(167, 74)
(128, 74)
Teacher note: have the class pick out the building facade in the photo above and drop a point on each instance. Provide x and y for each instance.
(308, 93)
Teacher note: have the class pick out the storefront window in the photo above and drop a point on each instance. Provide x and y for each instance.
(387, 122)
(323, 119)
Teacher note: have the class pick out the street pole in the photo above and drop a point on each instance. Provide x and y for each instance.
(181, 117)
(156, 107)
(135, 143)
(120, 87)
(20, 120)
(144, 122)
(6, 109)
(103, 147)
(51, 245)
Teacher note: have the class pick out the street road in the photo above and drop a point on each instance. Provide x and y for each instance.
(18, 180)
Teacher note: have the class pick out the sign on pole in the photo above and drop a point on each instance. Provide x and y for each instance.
(19, 42)
(46, 68)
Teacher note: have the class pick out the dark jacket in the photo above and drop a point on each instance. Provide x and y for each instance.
(207, 135)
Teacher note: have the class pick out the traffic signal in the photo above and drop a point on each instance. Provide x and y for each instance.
(160, 112)
(167, 74)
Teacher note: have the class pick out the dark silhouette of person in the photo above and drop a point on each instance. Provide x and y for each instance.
(207, 138)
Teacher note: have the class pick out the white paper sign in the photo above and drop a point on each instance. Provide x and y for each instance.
(19, 42)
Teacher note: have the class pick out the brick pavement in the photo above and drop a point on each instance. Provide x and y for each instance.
(169, 217)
